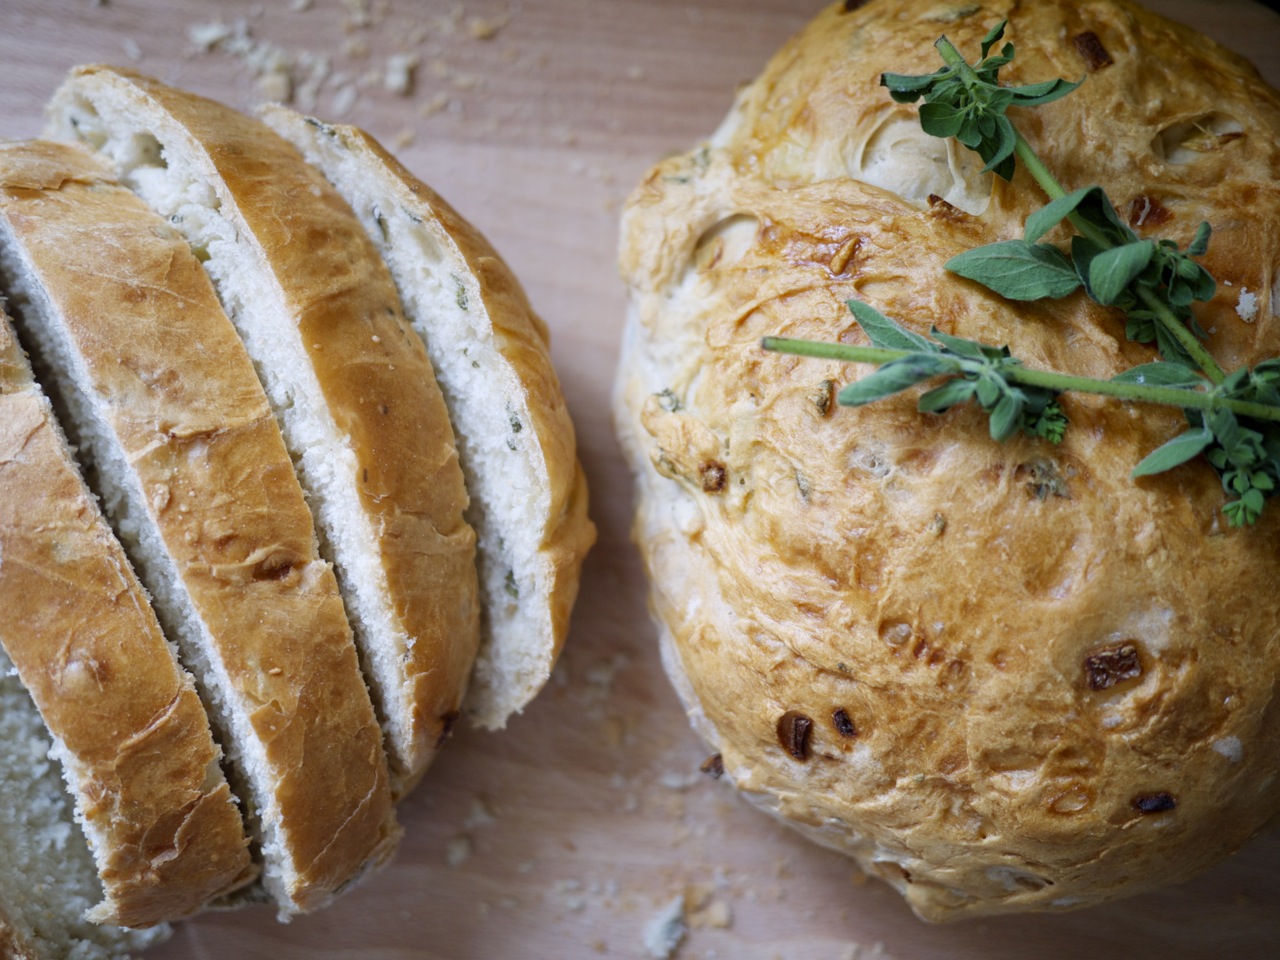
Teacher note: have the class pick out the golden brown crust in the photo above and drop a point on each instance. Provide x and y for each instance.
(79, 629)
(1001, 676)
(192, 417)
(376, 380)
(565, 533)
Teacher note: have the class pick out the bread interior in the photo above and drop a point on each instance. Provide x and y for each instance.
(501, 460)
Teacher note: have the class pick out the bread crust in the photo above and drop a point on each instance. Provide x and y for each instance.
(899, 634)
(527, 384)
(133, 735)
(374, 375)
(193, 420)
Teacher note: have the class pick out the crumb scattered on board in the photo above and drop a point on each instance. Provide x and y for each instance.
(665, 931)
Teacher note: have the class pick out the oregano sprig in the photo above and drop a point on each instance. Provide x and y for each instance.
(968, 103)
(1152, 281)
(1235, 424)
(976, 372)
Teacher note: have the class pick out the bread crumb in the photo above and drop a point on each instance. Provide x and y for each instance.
(481, 28)
(433, 106)
(570, 895)
(275, 87)
(205, 36)
(480, 816)
(666, 930)
(680, 781)
(403, 138)
(1247, 306)
(358, 13)
(300, 6)
(716, 914)
(448, 24)
(131, 49)
(1230, 748)
(315, 71)
(398, 78)
(458, 850)
(345, 99)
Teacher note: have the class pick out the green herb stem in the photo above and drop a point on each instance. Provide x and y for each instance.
(1048, 182)
(1054, 190)
(1061, 382)
(954, 59)
(1186, 338)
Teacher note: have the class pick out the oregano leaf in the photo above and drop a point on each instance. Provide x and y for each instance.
(1018, 270)
(1035, 94)
(1199, 245)
(885, 333)
(1165, 374)
(966, 349)
(988, 390)
(1006, 418)
(905, 88)
(1183, 447)
(943, 398)
(1001, 159)
(1096, 209)
(893, 378)
(1053, 213)
(993, 37)
(1111, 271)
(941, 120)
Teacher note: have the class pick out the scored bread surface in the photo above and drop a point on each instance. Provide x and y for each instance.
(1003, 677)
(194, 473)
(347, 377)
(125, 720)
(515, 438)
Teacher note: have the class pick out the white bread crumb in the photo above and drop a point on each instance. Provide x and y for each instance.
(1247, 306)
(398, 78)
(666, 930)
(458, 850)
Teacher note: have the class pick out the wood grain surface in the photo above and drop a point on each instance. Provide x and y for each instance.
(564, 836)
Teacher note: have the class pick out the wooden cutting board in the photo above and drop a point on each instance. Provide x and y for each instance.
(564, 836)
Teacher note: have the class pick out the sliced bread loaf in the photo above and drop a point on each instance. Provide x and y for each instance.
(124, 719)
(515, 437)
(48, 881)
(159, 391)
(348, 379)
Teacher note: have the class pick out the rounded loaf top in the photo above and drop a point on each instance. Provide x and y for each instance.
(1002, 676)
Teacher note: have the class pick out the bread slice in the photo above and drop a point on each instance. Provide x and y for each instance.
(124, 718)
(515, 438)
(348, 379)
(49, 881)
(159, 390)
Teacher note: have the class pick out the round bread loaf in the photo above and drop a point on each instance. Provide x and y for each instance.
(1001, 676)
